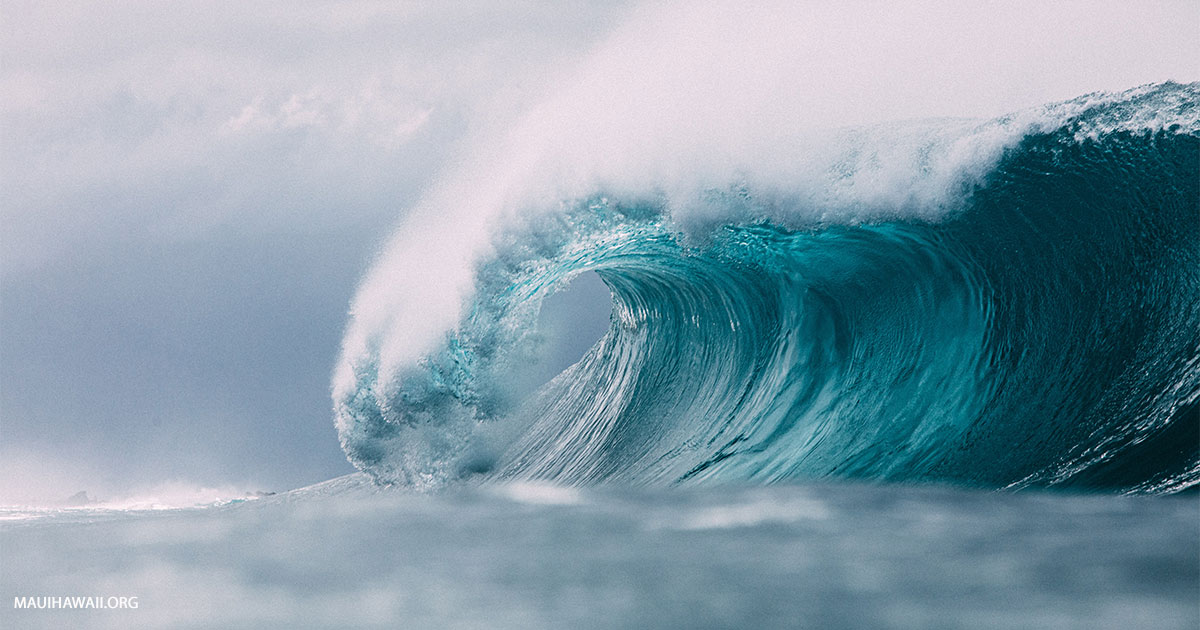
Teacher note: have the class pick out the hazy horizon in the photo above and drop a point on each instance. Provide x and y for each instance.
(194, 192)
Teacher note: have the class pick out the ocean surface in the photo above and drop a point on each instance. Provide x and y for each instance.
(347, 554)
(932, 374)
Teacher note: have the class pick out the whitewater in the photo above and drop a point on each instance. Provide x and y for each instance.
(351, 554)
(1001, 304)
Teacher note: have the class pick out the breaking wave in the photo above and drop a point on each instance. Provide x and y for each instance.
(1007, 303)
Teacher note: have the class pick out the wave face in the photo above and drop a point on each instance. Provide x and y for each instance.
(1037, 326)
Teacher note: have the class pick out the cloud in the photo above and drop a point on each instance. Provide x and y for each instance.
(111, 111)
(192, 189)
(368, 114)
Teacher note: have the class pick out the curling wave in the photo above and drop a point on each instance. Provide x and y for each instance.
(1033, 321)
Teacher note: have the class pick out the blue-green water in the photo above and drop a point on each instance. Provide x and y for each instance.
(1036, 322)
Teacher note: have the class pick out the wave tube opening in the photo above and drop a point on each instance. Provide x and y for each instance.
(1043, 331)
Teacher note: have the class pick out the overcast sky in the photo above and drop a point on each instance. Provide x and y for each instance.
(192, 190)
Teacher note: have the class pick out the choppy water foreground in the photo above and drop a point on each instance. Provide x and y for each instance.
(347, 555)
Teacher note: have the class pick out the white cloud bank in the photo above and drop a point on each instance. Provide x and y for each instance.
(166, 120)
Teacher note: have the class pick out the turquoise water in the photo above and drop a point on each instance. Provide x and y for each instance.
(1034, 323)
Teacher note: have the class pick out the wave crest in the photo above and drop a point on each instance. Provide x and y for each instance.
(1021, 309)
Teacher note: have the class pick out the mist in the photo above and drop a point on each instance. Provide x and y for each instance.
(194, 192)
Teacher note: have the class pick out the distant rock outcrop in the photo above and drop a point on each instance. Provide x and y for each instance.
(79, 498)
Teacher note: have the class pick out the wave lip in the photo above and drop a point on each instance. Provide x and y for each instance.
(1019, 309)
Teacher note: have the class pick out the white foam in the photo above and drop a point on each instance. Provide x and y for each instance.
(540, 493)
(794, 102)
(747, 514)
